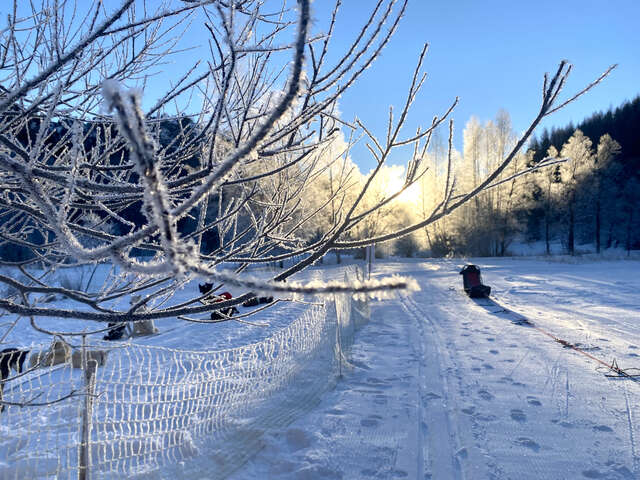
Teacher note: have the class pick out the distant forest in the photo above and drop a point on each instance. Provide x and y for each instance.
(58, 134)
(606, 198)
(622, 124)
(587, 203)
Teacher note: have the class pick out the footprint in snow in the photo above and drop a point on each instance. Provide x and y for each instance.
(486, 395)
(462, 453)
(469, 410)
(378, 383)
(494, 352)
(430, 396)
(486, 418)
(336, 411)
(534, 401)
(603, 428)
(528, 443)
(298, 439)
(593, 473)
(518, 415)
(380, 399)
(369, 422)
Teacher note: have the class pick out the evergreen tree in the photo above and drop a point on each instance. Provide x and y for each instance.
(629, 209)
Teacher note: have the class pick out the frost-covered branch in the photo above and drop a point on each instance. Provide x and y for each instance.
(234, 160)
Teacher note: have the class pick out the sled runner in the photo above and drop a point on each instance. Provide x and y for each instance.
(116, 332)
(472, 282)
(223, 313)
(255, 301)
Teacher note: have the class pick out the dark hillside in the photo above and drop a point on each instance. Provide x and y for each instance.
(622, 123)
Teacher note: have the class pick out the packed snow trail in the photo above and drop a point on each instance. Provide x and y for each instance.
(611, 368)
(524, 405)
(442, 387)
(369, 426)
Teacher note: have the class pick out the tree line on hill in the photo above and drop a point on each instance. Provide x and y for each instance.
(590, 198)
(601, 195)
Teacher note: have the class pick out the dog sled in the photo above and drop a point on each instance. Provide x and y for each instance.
(472, 282)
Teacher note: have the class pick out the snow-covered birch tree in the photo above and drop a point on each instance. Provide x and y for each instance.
(580, 155)
(604, 179)
(548, 183)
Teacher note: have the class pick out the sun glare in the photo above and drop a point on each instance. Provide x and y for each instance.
(410, 195)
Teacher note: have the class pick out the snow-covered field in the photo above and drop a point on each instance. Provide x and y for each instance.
(441, 386)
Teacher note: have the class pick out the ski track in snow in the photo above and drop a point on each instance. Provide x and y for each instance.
(443, 449)
(534, 450)
(495, 400)
(440, 386)
(341, 438)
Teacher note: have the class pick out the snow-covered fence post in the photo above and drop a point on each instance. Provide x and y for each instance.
(360, 312)
(339, 344)
(84, 453)
(351, 313)
(370, 253)
(339, 323)
(335, 307)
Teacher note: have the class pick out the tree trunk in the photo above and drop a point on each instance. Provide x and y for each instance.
(547, 220)
(598, 226)
(546, 234)
(571, 239)
(426, 231)
(610, 235)
(629, 223)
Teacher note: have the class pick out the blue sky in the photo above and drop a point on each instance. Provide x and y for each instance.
(493, 54)
(490, 53)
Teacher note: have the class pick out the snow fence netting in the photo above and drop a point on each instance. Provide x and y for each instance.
(154, 412)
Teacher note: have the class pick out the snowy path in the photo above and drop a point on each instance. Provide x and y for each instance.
(523, 406)
(443, 387)
(368, 426)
